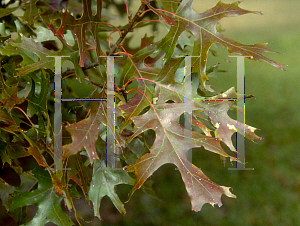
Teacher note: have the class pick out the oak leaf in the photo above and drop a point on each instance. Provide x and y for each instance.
(203, 27)
(85, 133)
(103, 184)
(171, 146)
(45, 197)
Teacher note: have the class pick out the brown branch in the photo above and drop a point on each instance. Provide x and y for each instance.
(128, 28)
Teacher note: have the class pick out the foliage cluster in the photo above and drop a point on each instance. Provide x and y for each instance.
(149, 103)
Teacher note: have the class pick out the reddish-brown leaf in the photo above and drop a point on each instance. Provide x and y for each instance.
(85, 133)
(169, 147)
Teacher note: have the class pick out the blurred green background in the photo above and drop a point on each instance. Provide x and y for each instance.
(270, 194)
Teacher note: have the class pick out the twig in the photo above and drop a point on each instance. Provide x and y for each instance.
(72, 71)
(128, 29)
(114, 47)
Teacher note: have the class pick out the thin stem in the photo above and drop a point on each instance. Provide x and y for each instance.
(127, 11)
(128, 29)
(146, 21)
(150, 81)
(37, 132)
(72, 71)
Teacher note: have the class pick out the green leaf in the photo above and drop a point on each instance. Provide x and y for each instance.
(9, 95)
(103, 183)
(38, 104)
(25, 92)
(7, 11)
(79, 173)
(203, 27)
(5, 190)
(43, 34)
(46, 199)
(10, 69)
(34, 55)
(31, 11)
(170, 6)
(7, 123)
(10, 150)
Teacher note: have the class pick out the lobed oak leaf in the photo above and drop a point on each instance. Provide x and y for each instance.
(38, 104)
(7, 123)
(85, 133)
(27, 182)
(9, 96)
(7, 11)
(136, 104)
(31, 10)
(103, 183)
(46, 199)
(226, 126)
(34, 55)
(135, 68)
(215, 110)
(78, 173)
(87, 21)
(203, 27)
(170, 146)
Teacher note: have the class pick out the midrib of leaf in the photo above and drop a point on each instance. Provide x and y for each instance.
(112, 195)
(54, 210)
(25, 70)
(215, 38)
(90, 127)
(166, 136)
(23, 202)
(45, 207)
